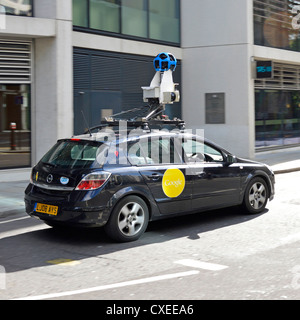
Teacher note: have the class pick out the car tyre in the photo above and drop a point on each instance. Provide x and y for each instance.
(129, 219)
(256, 196)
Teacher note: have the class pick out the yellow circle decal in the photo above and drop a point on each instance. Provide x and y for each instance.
(173, 183)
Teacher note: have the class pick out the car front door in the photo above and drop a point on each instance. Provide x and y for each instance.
(216, 182)
(164, 173)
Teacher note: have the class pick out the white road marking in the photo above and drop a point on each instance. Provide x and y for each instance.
(290, 238)
(12, 220)
(201, 264)
(111, 286)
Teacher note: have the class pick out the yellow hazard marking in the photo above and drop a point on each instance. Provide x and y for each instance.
(64, 262)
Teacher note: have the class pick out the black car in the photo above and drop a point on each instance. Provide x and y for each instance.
(122, 181)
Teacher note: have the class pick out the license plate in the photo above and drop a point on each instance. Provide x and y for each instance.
(46, 208)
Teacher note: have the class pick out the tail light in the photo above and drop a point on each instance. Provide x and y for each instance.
(93, 181)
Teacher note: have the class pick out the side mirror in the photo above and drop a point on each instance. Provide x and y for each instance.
(230, 159)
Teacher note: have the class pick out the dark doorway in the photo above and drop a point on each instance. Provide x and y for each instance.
(15, 126)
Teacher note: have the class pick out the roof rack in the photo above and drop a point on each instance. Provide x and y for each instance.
(153, 119)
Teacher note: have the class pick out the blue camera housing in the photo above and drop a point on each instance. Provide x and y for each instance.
(164, 62)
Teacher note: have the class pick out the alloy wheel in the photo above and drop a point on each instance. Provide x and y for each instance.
(257, 195)
(131, 218)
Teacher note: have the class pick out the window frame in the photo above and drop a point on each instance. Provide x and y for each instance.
(22, 15)
(119, 18)
(119, 34)
(278, 12)
(147, 22)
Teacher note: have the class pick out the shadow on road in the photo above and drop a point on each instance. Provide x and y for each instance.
(32, 249)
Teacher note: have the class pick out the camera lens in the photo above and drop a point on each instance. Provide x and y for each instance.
(165, 65)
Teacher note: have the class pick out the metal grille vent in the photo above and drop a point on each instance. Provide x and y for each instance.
(15, 61)
(286, 76)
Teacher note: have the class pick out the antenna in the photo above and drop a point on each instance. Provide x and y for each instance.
(86, 123)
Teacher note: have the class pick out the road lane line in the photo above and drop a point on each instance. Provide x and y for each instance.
(290, 238)
(111, 286)
(201, 265)
(12, 220)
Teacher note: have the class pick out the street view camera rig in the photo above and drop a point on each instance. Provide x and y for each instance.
(162, 91)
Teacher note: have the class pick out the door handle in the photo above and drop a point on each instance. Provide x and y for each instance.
(206, 175)
(201, 175)
(154, 176)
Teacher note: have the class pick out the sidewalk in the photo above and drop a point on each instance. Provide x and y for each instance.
(12, 186)
(282, 160)
(14, 182)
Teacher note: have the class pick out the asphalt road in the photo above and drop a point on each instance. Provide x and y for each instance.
(216, 255)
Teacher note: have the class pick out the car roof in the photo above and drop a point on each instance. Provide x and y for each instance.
(108, 136)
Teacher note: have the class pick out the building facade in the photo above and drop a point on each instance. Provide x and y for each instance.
(62, 59)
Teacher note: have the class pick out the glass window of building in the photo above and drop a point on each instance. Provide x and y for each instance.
(14, 7)
(80, 13)
(273, 24)
(277, 107)
(15, 126)
(134, 18)
(105, 15)
(153, 20)
(15, 115)
(277, 117)
(164, 20)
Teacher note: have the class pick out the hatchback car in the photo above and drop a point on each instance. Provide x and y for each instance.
(122, 183)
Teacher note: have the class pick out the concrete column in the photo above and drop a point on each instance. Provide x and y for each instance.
(53, 78)
(217, 42)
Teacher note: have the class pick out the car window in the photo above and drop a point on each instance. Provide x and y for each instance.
(197, 151)
(193, 150)
(135, 156)
(154, 150)
(85, 153)
(76, 154)
(212, 154)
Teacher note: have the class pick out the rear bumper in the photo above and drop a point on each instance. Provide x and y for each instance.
(71, 216)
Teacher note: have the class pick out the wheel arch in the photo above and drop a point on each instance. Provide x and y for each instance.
(258, 174)
(145, 196)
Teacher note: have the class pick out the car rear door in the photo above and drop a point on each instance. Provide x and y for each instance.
(164, 172)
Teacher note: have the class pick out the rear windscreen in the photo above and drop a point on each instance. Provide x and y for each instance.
(76, 154)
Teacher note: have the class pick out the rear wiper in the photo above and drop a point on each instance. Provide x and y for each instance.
(49, 164)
